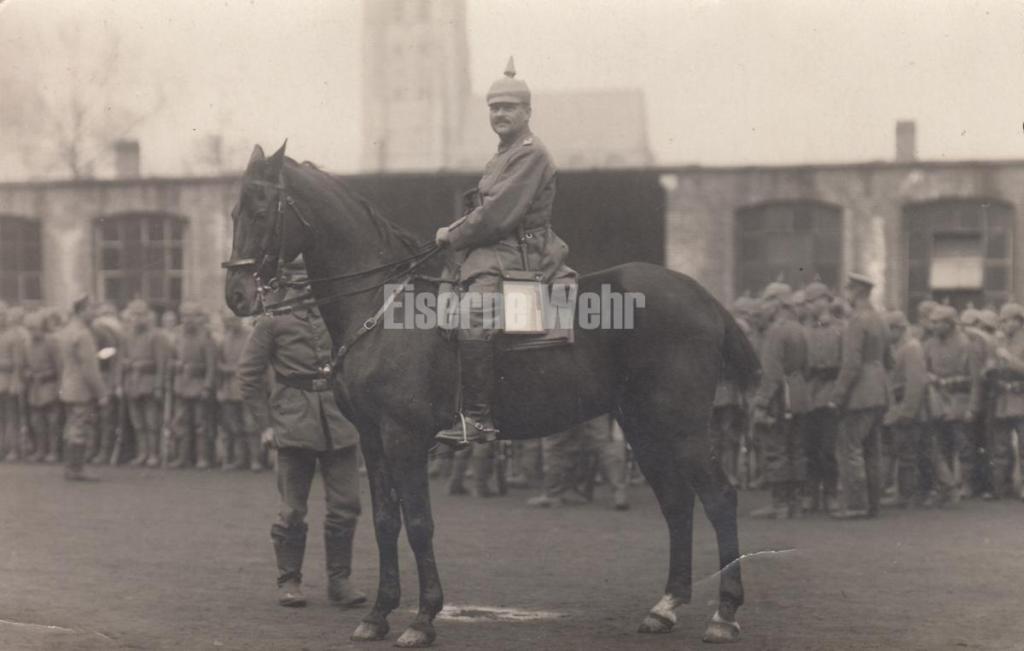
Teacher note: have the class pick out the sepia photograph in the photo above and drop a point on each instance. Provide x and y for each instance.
(511, 324)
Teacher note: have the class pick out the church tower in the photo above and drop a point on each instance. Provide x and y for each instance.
(416, 83)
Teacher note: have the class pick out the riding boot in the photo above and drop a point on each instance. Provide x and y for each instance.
(289, 548)
(75, 470)
(338, 549)
(477, 424)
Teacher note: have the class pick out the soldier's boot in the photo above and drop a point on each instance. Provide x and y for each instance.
(153, 460)
(53, 438)
(794, 499)
(142, 453)
(184, 458)
(242, 460)
(482, 459)
(42, 446)
(289, 549)
(202, 452)
(476, 424)
(456, 482)
(255, 448)
(75, 469)
(338, 549)
(778, 507)
(13, 444)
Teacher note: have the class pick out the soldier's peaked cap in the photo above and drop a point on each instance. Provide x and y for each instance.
(854, 278)
(896, 319)
(943, 313)
(816, 290)
(776, 290)
(1012, 311)
(508, 88)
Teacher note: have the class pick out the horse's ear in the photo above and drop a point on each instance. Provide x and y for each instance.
(276, 161)
(257, 155)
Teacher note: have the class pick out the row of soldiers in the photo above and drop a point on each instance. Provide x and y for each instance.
(853, 401)
(172, 398)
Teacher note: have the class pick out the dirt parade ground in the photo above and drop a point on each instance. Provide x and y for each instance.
(151, 559)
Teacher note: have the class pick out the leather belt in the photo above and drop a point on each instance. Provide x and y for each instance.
(315, 382)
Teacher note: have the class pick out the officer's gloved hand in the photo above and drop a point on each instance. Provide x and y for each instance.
(441, 237)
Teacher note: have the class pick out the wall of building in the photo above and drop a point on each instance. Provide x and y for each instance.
(702, 204)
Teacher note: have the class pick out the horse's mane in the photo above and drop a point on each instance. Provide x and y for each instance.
(344, 200)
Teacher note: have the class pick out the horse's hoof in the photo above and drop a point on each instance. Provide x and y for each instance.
(370, 632)
(414, 638)
(721, 630)
(655, 623)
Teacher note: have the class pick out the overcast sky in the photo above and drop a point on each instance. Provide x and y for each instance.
(726, 82)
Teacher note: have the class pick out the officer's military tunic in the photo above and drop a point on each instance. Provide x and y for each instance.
(510, 220)
(953, 394)
(81, 385)
(908, 382)
(307, 424)
(784, 396)
(41, 374)
(143, 372)
(861, 393)
(824, 357)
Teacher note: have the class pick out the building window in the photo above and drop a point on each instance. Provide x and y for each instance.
(21, 260)
(797, 241)
(960, 251)
(140, 256)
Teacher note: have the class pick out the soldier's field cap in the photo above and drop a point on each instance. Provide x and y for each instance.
(1012, 311)
(854, 278)
(816, 290)
(943, 313)
(508, 89)
(988, 318)
(896, 319)
(776, 290)
(969, 317)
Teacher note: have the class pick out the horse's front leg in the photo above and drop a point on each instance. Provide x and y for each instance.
(387, 524)
(410, 468)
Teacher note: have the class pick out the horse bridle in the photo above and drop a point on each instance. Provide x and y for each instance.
(274, 235)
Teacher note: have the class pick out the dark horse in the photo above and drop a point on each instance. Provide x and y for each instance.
(398, 385)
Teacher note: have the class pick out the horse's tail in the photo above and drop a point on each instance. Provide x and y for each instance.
(739, 359)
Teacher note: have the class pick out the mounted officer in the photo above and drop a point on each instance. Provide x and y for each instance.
(307, 427)
(507, 227)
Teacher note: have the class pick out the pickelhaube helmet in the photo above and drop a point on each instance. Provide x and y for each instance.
(508, 88)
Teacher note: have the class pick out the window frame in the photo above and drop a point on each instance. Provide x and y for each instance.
(170, 238)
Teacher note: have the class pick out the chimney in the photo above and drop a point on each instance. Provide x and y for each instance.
(127, 162)
(906, 141)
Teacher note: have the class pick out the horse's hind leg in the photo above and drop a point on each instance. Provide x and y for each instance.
(676, 501)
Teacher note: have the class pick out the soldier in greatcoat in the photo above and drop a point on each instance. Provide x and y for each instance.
(781, 403)
(241, 439)
(82, 389)
(905, 417)
(307, 428)
(953, 398)
(982, 334)
(12, 357)
(824, 355)
(507, 228)
(194, 363)
(861, 396)
(141, 381)
(1007, 379)
(40, 374)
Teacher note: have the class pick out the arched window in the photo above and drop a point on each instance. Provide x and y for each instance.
(140, 255)
(960, 250)
(21, 260)
(797, 240)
